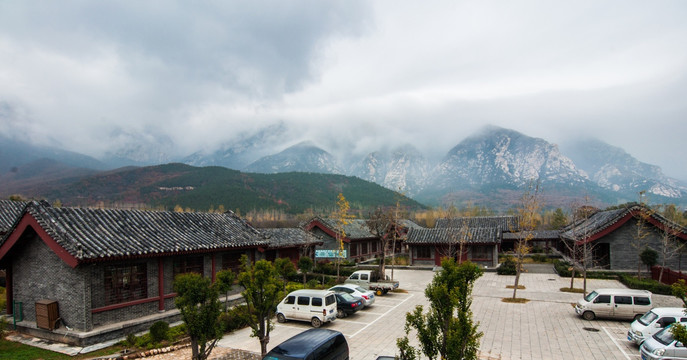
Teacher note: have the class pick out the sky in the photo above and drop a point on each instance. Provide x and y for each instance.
(96, 77)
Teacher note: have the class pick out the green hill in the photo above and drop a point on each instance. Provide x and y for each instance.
(200, 188)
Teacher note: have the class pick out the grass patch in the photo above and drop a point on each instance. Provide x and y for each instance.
(515, 301)
(573, 290)
(20, 351)
(399, 290)
(520, 287)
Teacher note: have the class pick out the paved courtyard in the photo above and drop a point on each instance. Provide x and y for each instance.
(544, 328)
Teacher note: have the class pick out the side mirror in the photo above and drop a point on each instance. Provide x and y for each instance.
(658, 325)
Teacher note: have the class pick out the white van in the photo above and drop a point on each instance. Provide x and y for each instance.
(614, 303)
(653, 321)
(315, 306)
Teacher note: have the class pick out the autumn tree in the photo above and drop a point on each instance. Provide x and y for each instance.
(342, 218)
(527, 221)
(679, 290)
(262, 292)
(198, 303)
(446, 330)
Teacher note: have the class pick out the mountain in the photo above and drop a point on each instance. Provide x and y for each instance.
(202, 188)
(497, 156)
(302, 157)
(237, 154)
(614, 169)
(15, 153)
(404, 169)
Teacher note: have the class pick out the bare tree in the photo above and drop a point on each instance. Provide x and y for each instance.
(640, 238)
(527, 219)
(670, 245)
(379, 223)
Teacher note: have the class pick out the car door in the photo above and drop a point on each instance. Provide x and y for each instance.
(354, 279)
(622, 307)
(289, 307)
(303, 308)
(602, 306)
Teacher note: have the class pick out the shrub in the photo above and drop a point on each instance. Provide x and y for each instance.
(507, 266)
(3, 299)
(159, 331)
(645, 284)
(312, 284)
(539, 258)
(130, 340)
(234, 319)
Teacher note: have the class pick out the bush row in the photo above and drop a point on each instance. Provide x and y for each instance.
(563, 269)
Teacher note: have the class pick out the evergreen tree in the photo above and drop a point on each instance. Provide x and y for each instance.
(447, 330)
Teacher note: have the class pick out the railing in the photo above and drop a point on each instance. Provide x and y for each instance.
(669, 276)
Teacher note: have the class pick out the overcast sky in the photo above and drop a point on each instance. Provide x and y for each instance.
(95, 76)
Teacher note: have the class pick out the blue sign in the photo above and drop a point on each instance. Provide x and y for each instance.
(330, 253)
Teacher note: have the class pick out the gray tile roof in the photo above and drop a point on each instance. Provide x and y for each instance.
(537, 234)
(96, 234)
(289, 237)
(418, 236)
(9, 212)
(356, 228)
(505, 223)
(603, 219)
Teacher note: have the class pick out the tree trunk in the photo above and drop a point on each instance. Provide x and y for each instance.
(572, 278)
(305, 278)
(194, 349)
(264, 337)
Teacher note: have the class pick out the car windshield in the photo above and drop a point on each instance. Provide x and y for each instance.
(664, 336)
(591, 296)
(648, 318)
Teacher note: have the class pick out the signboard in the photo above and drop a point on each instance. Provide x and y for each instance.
(330, 254)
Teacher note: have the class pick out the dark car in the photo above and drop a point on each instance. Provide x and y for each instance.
(347, 304)
(313, 344)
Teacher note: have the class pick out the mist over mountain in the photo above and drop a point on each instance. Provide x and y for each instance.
(302, 157)
(614, 169)
(491, 166)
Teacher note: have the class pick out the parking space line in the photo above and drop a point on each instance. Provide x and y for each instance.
(616, 343)
(355, 322)
(388, 311)
(372, 313)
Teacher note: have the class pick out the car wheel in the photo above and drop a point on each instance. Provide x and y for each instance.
(588, 315)
(281, 318)
(340, 313)
(379, 292)
(316, 322)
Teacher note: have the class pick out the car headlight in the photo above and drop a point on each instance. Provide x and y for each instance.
(659, 352)
(638, 333)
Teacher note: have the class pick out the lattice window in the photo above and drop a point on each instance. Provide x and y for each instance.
(124, 283)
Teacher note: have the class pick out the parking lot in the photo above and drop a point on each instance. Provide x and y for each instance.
(544, 328)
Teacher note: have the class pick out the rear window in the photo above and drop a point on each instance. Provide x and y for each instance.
(624, 300)
(641, 300)
(330, 299)
(303, 300)
(363, 277)
(316, 301)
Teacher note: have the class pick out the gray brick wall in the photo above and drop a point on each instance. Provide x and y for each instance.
(623, 255)
(41, 274)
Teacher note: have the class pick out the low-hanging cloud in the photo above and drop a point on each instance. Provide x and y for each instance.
(104, 77)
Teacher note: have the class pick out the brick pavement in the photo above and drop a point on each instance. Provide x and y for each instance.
(544, 328)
